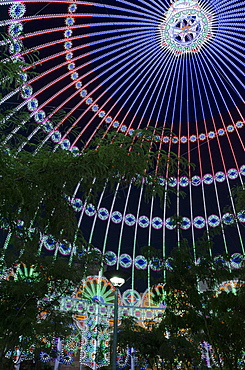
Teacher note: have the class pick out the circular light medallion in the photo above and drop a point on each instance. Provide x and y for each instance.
(157, 223)
(90, 210)
(220, 261)
(184, 181)
(208, 179)
(241, 216)
(47, 126)
(56, 136)
(131, 298)
(67, 359)
(213, 221)
(77, 204)
(156, 264)
(65, 144)
(103, 214)
(26, 91)
(44, 357)
(232, 174)
(40, 116)
(125, 260)
(185, 223)
(237, 260)
(32, 104)
(49, 243)
(242, 170)
(228, 219)
(186, 27)
(110, 258)
(143, 221)
(116, 217)
(17, 10)
(220, 176)
(199, 222)
(130, 219)
(65, 248)
(140, 262)
(15, 29)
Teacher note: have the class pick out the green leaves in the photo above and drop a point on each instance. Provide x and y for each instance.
(28, 304)
(158, 346)
(215, 315)
(38, 189)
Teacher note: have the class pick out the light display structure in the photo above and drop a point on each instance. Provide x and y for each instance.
(92, 308)
(177, 64)
(104, 73)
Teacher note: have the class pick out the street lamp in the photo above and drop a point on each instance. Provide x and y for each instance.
(117, 278)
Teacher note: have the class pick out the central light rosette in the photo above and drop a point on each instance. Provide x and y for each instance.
(186, 27)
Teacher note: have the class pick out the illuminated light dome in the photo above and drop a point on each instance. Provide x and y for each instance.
(123, 65)
(186, 27)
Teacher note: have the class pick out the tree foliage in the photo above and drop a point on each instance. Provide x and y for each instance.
(156, 348)
(205, 303)
(30, 298)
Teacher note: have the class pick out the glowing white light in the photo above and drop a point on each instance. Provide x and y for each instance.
(117, 281)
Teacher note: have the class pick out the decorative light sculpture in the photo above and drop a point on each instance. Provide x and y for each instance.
(175, 65)
(186, 27)
(124, 65)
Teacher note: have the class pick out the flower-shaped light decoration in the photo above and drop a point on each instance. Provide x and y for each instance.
(186, 27)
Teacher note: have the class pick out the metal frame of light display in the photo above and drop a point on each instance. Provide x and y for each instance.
(125, 66)
(201, 70)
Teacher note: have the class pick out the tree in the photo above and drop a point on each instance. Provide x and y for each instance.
(205, 306)
(30, 305)
(155, 348)
(210, 315)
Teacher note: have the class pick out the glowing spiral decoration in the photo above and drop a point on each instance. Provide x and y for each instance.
(125, 65)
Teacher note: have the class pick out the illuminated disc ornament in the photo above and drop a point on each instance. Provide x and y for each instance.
(154, 297)
(186, 27)
(237, 260)
(67, 359)
(17, 10)
(49, 243)
(64, 248)
(44, 357)
(131, 298)
(110, 258)
(156, 264)
(96, 289)
(228, 219)
(77, 204)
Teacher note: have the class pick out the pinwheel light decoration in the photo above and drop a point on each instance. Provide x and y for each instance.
(186, 27)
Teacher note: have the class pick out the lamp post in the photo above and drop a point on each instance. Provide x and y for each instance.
(117, 278)
(117, 282)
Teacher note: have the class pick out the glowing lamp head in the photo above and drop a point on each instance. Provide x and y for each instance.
(117, 277)
(117, 281)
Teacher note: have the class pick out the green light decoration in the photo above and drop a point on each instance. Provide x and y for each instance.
(24, 272)
(96, 289)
